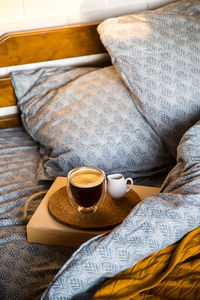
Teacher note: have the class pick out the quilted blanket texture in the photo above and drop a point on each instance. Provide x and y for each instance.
(172, 273)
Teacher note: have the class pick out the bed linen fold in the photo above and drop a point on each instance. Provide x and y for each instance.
(155, 223)
(172, 273)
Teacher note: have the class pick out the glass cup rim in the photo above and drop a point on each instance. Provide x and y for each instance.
(84, 168)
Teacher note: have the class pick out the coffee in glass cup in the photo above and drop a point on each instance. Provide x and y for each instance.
(86, 187)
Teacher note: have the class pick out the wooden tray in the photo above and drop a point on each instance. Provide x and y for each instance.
(111, 213)
(43, 228)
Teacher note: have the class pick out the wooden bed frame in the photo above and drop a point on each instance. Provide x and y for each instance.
(41, 45)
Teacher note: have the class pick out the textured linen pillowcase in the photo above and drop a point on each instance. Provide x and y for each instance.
(86, 116)
(157, 53)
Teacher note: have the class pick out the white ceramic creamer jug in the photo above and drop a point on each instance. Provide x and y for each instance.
(118, 185)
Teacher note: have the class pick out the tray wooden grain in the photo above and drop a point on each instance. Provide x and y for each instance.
(111, 213)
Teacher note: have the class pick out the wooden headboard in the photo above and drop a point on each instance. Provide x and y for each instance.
(35, 46)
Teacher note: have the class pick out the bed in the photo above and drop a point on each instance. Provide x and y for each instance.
(138, 114)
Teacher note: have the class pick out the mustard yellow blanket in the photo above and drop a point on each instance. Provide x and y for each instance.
(172, 273)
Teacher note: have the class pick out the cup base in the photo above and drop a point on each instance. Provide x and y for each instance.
(87, 210)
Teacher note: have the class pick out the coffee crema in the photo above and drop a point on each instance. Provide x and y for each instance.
(86, 178)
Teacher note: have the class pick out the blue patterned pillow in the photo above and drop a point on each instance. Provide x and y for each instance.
(86, 116)
(157, 53)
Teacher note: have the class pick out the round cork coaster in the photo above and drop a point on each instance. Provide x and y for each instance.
(109, 214)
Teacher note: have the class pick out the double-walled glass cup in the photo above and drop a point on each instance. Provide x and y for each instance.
(86, 187)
